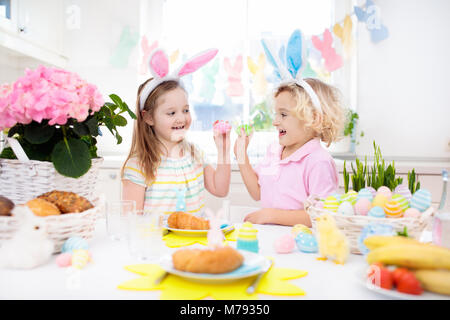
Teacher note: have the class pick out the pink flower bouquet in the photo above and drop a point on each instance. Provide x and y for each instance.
(55, 115)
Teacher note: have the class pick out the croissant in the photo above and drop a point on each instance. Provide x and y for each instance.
(43, 208)
(183, 220)
(218, 260)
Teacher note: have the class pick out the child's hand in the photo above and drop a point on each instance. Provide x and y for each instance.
(261, 216)
(241, 146)
(222, 141)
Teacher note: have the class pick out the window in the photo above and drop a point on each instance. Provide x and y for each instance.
(5, 9)
(235, 86)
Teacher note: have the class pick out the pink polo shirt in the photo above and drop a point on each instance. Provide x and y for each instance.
(285, 184)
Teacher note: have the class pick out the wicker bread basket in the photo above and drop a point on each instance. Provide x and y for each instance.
(59, 227)
(21, 181)
(352, 226)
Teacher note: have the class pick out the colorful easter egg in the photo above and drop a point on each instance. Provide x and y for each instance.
(74, 243)
(379, 200)
(421, 200)
(331, 204)
(346, 209)
(285, 243)
(296, 229)
(376, 212)
(350, 197)
(393, 209)
(364, 193)
(373, 229)
(362, 206)
(64, 260)
(411, 213)
(404, 204)
(337, 196)
(385, 191)
(404, 191)
(306, 242)
(80, 258)
(372, 191)
(221, 126)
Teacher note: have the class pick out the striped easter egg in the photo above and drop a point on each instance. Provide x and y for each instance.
(372, 190)
(393, 209)
(365, 193)
(376, 212)
(346, 209)
(337, 196)
(80, 258)
(74, 243)
(421, 200)
(331, 204)
(350, 197)
(404, 204)
(404, 191)
(379, 200)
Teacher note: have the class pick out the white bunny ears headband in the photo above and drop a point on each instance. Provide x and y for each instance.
(291, 70)
(159, 67)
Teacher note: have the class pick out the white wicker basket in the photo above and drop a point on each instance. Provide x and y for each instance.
(352, 226)
(21, 181)
(60, 227)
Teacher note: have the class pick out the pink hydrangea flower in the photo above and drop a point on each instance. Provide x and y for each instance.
(49, 94)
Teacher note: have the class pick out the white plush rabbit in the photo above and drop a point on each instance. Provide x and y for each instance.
(30, 246)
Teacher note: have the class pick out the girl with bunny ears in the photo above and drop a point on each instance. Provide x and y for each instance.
(161, 161)
(297, 166)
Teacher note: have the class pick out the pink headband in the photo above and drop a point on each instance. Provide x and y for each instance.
(159, 67)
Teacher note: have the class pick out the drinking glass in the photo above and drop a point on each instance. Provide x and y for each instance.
(145, 235)
(118, 214)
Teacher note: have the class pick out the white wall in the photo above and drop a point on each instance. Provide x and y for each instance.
(403, 93)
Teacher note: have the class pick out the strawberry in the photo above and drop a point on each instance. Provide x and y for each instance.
(408, 283)
(380, 276)
(397, 274)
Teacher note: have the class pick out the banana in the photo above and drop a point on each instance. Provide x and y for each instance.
(415, 256)
(374, 242)
(434, 280)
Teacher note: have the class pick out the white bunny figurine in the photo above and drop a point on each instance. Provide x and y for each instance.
(30, 246)
(215, 234)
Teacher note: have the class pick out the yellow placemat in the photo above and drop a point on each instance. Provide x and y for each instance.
(176, 240)
(173, 287)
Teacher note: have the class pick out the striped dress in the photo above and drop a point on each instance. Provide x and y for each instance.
(173, 174)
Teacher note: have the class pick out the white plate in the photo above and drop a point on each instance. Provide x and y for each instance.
(393, 293)
(186, 232)
(253, 264)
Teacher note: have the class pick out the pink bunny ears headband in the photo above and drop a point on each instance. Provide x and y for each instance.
(159, 67)
(290, 70)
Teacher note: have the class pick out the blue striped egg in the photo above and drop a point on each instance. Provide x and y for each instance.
(74, 243)
(376, 212)
(306, 243)
(364, 193)
(421, 200)
(350, 197)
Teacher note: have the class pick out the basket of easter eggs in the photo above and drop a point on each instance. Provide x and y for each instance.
(65, 214)
(353, 211)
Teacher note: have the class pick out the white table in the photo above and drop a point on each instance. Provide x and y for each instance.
(100, 278)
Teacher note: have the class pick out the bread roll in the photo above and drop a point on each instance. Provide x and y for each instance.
(67, 202)
(215, 261)
(43, 208)
(6, 206)
(183, 220)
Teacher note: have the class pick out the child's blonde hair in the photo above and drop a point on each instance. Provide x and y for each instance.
(145, 145)
(328, 125)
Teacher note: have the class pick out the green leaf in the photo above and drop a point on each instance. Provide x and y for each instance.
(71, 158)
(38, 133)
(116, 99)
(92, 125)
(81, 129)
(131, 113)
(120, 121)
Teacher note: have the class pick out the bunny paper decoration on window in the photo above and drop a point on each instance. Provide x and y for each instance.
(235, 87)
(295, 63)
(371, 16)
(345, 34)
(159, 67)
(333, 61)
(146, 51)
